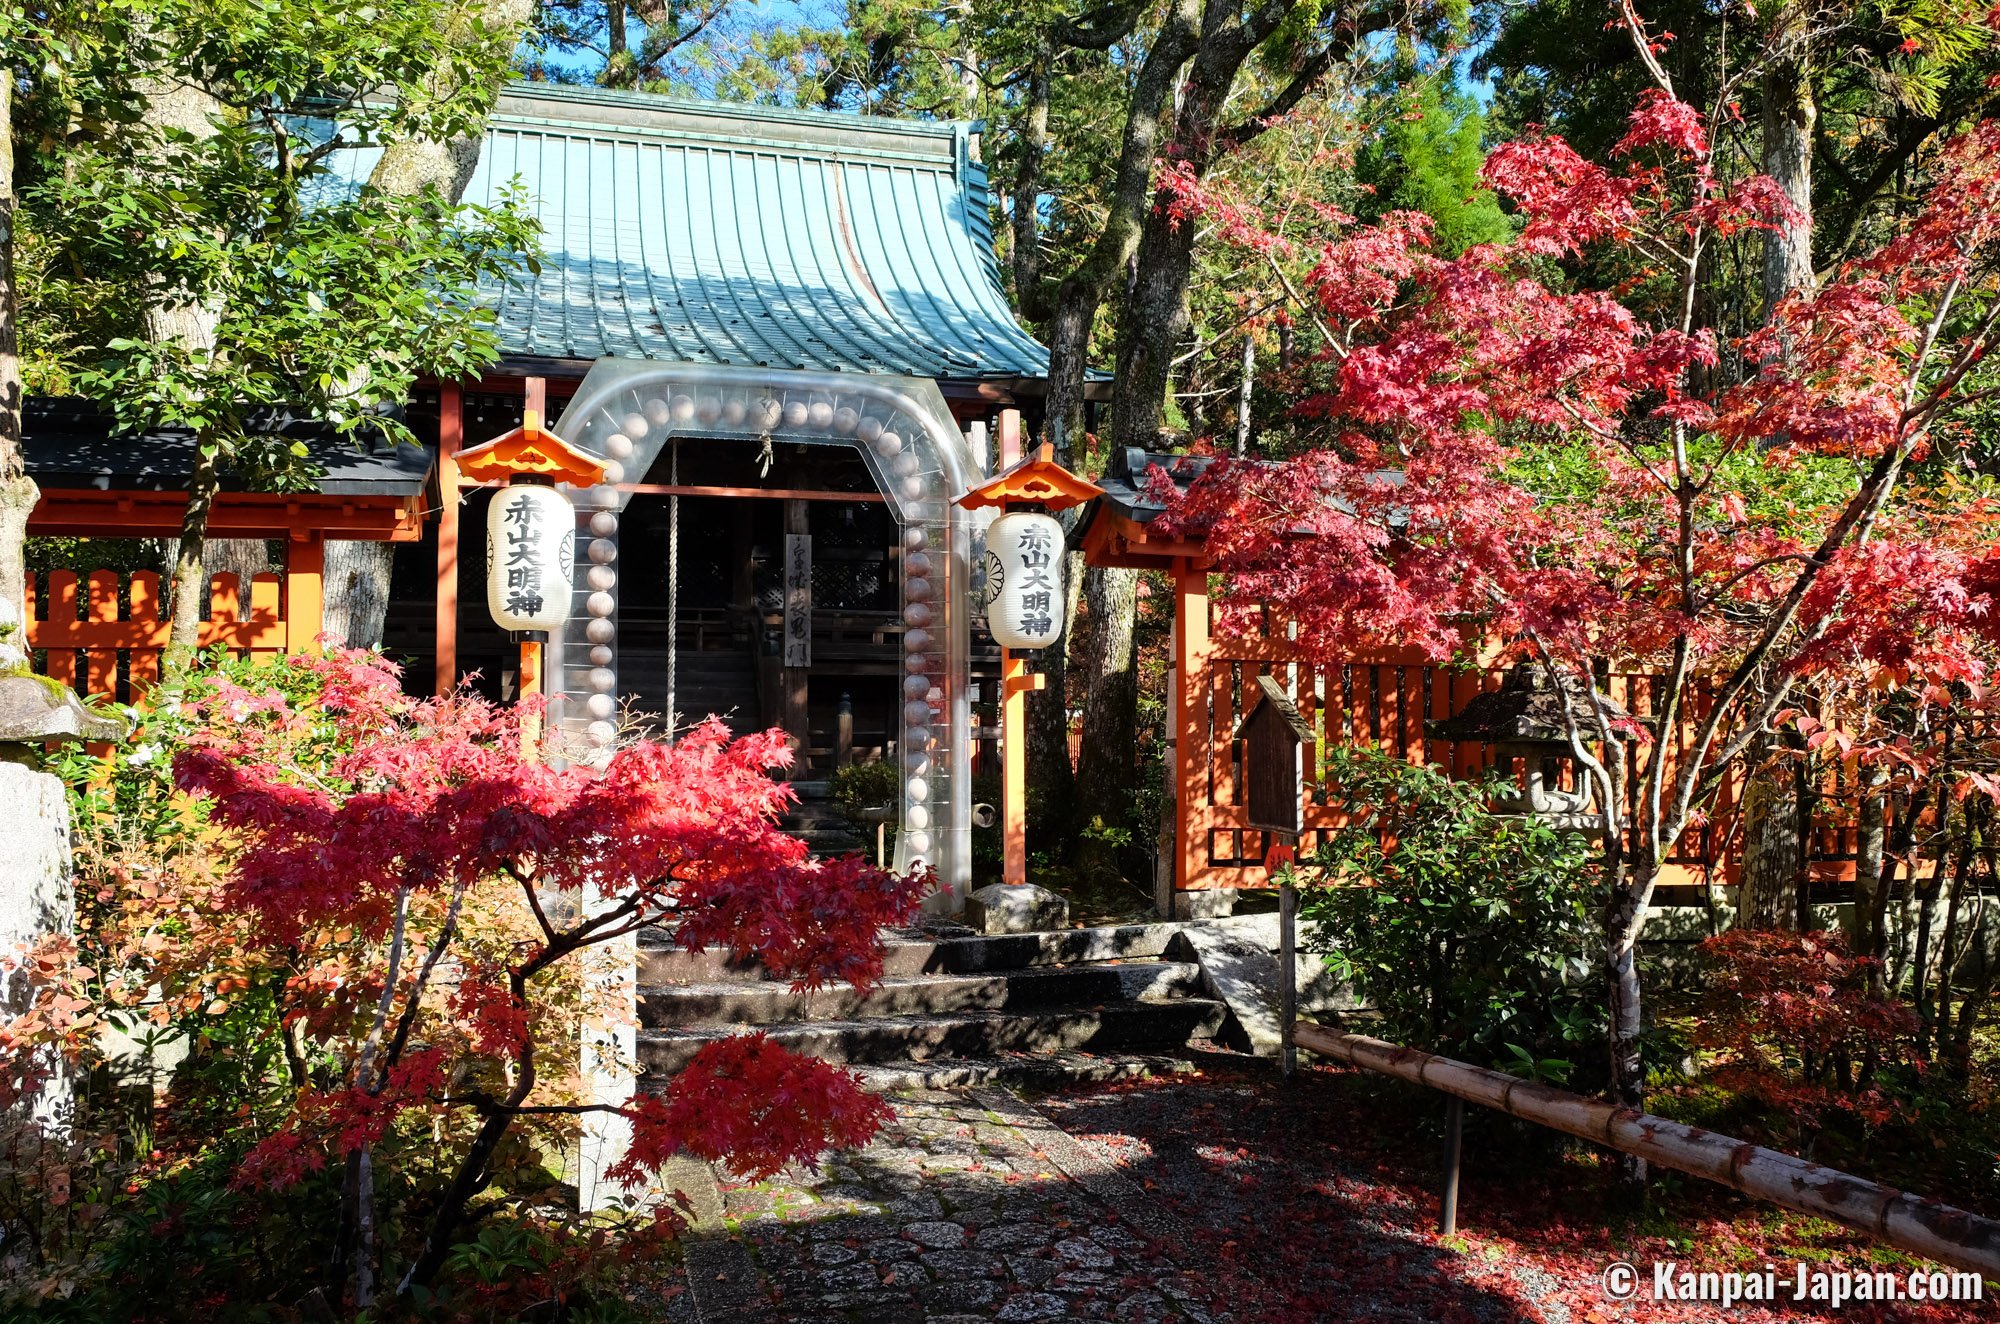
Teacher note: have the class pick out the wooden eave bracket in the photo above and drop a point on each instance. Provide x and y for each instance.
(1037, 480)
(530, 450)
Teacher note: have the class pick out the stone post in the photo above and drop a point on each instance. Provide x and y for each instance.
(37, 893)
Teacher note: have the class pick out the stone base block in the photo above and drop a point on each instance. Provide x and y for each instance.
(1015, 908)
(1205, 903)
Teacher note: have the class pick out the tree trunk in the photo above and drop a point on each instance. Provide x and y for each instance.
(1771, 844)
(246, 558)
(1789, 115)
(1624, 919)
(357, 591)
(1155, 319)
(180, 106)
(1870, 839)
(407, 168)
(1106, 762)
(187, 593)
(1083, 292)
(1771, 847)
(1031, 138)
(18, 493)
(1245, 390)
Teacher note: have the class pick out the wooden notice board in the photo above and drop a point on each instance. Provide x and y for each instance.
(798, 599)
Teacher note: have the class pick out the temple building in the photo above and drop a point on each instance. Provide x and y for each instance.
(784, 334)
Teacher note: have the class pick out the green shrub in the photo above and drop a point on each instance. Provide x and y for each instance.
(859, 787)
(1472, 933)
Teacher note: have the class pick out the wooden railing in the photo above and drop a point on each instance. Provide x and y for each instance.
(107, 639)
(1908, 1222)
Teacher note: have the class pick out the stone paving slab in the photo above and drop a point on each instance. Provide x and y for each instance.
(968, 1206)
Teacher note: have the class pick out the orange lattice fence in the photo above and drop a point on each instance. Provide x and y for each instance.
(107, 639)
(1384, 700)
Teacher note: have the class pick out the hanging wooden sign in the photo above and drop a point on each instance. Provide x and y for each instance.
(798, 599)
(1274, 737)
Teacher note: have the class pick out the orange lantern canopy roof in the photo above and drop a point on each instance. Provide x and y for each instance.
(530, 450)
(1035, 481)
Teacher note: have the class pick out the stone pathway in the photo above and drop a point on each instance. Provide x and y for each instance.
(969, 1206)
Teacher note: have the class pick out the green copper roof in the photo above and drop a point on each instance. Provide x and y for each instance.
(704, 232)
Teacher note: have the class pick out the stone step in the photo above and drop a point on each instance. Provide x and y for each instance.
(815, 814)
(661, 963)
(1042, 1071)
(682, 1006)
(1113, 1026)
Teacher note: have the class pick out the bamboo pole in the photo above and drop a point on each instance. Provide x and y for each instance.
(1923, 1227)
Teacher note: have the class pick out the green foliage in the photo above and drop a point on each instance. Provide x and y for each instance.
(865, 787)
(1784, 492)
(82, 555)
(292, 289)
(1427, 159)
(1471, 933)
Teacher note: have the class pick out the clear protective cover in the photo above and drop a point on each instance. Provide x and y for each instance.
(625, 413)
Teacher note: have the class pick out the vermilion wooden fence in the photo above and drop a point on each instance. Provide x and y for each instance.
(107, 639)
(1384, 700)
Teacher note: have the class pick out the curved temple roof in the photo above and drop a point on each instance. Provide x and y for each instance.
(704, 232)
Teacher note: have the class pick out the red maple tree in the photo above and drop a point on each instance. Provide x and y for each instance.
(1425, 514)
(369, 827)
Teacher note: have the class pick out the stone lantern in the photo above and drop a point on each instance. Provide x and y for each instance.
(37, 890)
(1524, 720)
(36, 894)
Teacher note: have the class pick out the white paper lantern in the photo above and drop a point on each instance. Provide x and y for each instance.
(1024, 580)
(530, 555)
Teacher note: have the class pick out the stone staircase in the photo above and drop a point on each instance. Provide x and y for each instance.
(817, 820)
(954, 1008)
